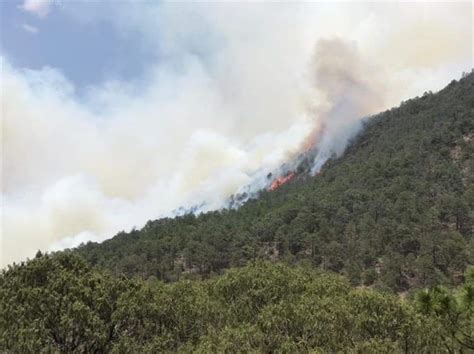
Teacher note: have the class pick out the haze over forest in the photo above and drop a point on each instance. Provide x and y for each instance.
(114, 114)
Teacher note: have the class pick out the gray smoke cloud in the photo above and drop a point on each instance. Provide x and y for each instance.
(351, 90)
(232, 98)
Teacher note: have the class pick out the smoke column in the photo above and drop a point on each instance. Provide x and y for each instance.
(351, 89)
(230, 99)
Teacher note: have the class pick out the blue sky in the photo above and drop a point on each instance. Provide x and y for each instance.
(86, 52)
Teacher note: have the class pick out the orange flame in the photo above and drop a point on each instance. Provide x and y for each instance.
(279, 181)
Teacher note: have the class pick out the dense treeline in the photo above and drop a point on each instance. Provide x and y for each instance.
(60, 304)
(395, 212)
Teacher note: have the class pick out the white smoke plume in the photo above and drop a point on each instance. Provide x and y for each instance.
(230, 98)
(351, 88)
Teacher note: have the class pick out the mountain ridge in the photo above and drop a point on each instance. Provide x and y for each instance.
(408, 171)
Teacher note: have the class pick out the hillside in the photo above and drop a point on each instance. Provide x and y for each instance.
(395, 211)
(393, 214)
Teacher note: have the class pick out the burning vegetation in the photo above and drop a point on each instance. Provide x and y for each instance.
(279, 181)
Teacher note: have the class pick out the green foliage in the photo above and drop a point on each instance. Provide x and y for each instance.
(453, 310)
(59, 304)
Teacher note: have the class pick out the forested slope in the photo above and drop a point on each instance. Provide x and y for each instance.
(395, 211)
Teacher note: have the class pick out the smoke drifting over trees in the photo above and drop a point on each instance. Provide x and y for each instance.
(351, 89)
(212, 116)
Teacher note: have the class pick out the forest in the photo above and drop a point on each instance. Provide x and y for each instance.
(372, 255)
(396, 211)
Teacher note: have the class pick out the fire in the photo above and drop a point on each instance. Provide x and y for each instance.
(279, 181)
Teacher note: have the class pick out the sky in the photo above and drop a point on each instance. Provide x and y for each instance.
(34, 39)
(118, 112)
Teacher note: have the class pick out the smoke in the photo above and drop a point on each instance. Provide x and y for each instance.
(229, 99)
(72, 174)
(351, 89)
(342, 90)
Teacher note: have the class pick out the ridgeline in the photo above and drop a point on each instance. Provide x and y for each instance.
(395, 211)
(372, 255)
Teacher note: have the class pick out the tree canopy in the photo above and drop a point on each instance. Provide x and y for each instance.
(60, 304)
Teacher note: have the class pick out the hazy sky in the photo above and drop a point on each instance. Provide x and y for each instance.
(117, 112)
